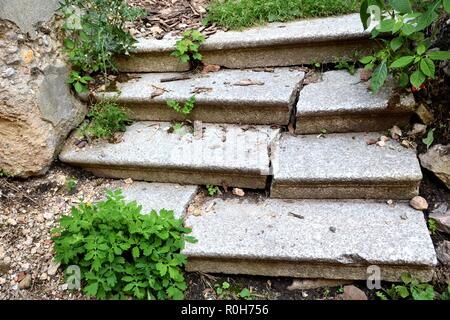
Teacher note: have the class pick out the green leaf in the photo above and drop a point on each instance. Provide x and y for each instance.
(402, 291)
(439, 55)
(245, 293)
(406, 278)
(402, 62)
(225, 285)
(401, 6)
(79, 88)
(135, 252)
(421, 48)
(396, 43)
(386, 25)
(424, 292)
(379, 77)
(427, 67)
(367, 59)
(91, 290)
(417, 79)
(429, 139)
(447, 5)
(404, 80)
(69, 44)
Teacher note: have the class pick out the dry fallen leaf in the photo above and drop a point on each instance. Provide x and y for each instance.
(249, 82)
(371, 141)
(238, 192)
(199, 90)
(128, 181)
(365, 75)
(210, 68)
(157, 91)
(396, 132)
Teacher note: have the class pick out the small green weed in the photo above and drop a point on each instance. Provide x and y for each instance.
(123, 253)
(106, 118)
(186, 109)
(346, 65)
(79, 83)
(187, 48)
(71, 184)
(212, 190)
(432, 226)
(429, 139)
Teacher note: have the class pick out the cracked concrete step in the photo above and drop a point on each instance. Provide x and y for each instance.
(237, 156)
(227, 96)
(343, 166)
(341, 102)
(277, 44)
(310, 239)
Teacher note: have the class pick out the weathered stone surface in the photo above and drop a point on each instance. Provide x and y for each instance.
(278, 44)
(157, 196)
(341, 102)
(27, 13)
(286, 44)
(151, 55)
(442, 221)
(343, 166)
(437, 160)
(234, 155)
(37, 109)
(310, 239)
(220, 96)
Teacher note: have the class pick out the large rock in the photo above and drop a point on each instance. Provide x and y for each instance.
(37, 109)
(437, 160)
(26, 14)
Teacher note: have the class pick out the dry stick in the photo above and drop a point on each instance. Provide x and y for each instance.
(176, 78)
(9, 185)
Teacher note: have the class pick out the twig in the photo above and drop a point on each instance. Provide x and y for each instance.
(11, 186)
(176, 78)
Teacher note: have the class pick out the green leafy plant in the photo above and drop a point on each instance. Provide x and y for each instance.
(94, 34)
(71, 184)
(79, 83)
(186, 109)
(121, 252)
(212, 190)
(410, 289)
(432, 226)
(106, 118)
(222, 290)
(405, 49)
(446, 295)
(429, 139)
(187, 48)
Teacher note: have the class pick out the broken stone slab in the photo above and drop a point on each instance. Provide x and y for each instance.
(443, 252)
(353, 293)
(158, 196)
(234, 155)
(226, 96)
(343, 166)
(341, 102)
(310, 239)
(437, 160)
(300, 42)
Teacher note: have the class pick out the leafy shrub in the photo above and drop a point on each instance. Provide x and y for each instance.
(187, 48)
(121, 252)
(186, 109)
(212, 190)
(406, 50)
(94, 31)
(106, 118)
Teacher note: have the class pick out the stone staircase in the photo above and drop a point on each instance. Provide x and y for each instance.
(325, 213)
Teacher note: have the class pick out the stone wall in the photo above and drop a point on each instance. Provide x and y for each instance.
(37, 109)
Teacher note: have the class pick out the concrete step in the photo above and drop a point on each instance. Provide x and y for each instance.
(277, 44)
(343, 166)
(310, 239)
(227, 96)
(237, 156)
(341, 102)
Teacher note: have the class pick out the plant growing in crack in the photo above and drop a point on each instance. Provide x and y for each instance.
(187, 48)
(184, 109)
